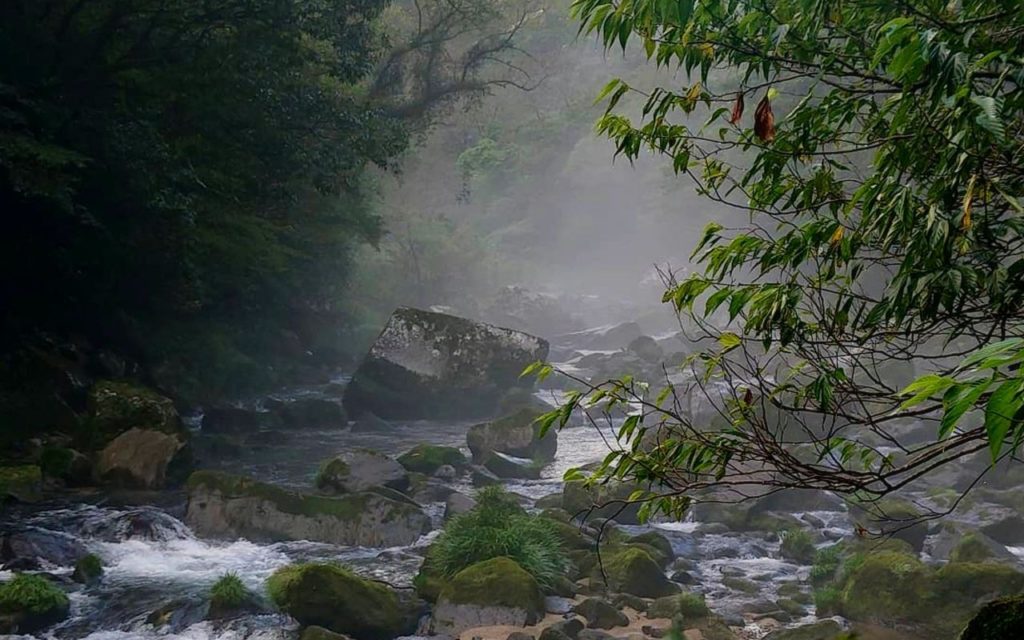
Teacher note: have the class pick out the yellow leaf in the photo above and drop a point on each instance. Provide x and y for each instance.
(968, 198)
(837, 235)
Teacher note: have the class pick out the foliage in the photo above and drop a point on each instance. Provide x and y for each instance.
(885, 236)
(827, 600)
(496, 527)
(32, 594)
(88, 568)
(826, 561)
(229, 592)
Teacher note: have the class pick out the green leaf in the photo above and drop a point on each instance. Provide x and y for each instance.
(1002, 406)
(959, 399)
(729, 341)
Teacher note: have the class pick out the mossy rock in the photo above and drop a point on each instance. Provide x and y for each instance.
(498, 582)
(797, 546)
(633, 570)
(32, 602)
(998, 620)
(516, 435)
(23, 483)
(429, 581)
(821, 630)
(88, 569)
(893, 518)
(605, 501)
(742, 585)
(689, 605)
(333, 597)
(428, 458)
(229, 598)
(973, 548)
(657, 541)
(887, 587)
(116, 407)
(957, 587)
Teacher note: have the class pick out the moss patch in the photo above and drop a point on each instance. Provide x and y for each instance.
(691, 606)
(997, 620)
(23, 483)
(632, 570)
(88, 568)
(428, 458)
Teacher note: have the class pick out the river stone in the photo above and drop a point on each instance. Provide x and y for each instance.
(333, 597)
(29, 546)
(457, 503)
(601, 614)
(436, 366)
(142, 459)
(515, 435)
(224, 505)
(821, 630)
(488, 593)
(1008, 531)
(46, 606)
(647, 348)
(431, 458)
(369, 422)
(566, 629)
(360, 471)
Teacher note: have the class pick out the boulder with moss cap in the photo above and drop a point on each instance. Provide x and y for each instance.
(22, 483)
(515, 435)
(428, 458)
(30, 603)
(493, 592)
(632, 570)
(225, 505)
(333, 597)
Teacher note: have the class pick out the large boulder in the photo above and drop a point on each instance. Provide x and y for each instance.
(505, 466)
(610, 501)
(361, 470)
(515, 435)
(333, 597)
(30, 546)
(600, 614)
(433, 365)
(116, 407)
(492, 592)
(143, 459)
(1008, 530)
(225, 505)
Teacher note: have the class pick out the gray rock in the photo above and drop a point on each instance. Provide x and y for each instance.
(432, 365)
(1008, 531)
(27, 547)
(647, 348)
(483, 478)
(505, 466)
(558, 605)
(564, 629)
(368, 422)
(601, 614)
(457, 503)
(516, 435)
(446, 472)
(360, 471)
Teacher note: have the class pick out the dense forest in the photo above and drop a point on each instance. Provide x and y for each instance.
(512, 319)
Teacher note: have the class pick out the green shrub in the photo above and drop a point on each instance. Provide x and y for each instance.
(496, 527)
(798, 546)
(228, 592)
(692, 606)
(31, 594)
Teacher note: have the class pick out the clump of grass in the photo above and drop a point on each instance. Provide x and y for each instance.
(826, 561)
(827, 601)
(797, 545)
(496, 527)
(228, 592)
(88, 568)
(31, 594)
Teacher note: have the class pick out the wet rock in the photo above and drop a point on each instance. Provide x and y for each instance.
(797, 501)
(456, 504)
(332, 597)
(606, 337)
(432, 365)
(143, 459)
(1003, 618)
(604, 501)
(369, 422)
(561, 630)
(558, 605)
(23, 483)
(30, 603)
(504, 466)
(635, 603)
(88, 569)
(690, 606)
(1008, 531)
(312, 413)
(601, 614)
(893, 518)
(446, 472)
(319, 633)
(35, 545)
(221, 504)
(429, 459)
(360, 471)
(631, 570)
(483, 478)
(515, 435)
(646, 348)
(237, 420)
(821, 630)
(493, 592)
(683, 577)
(977, 547)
